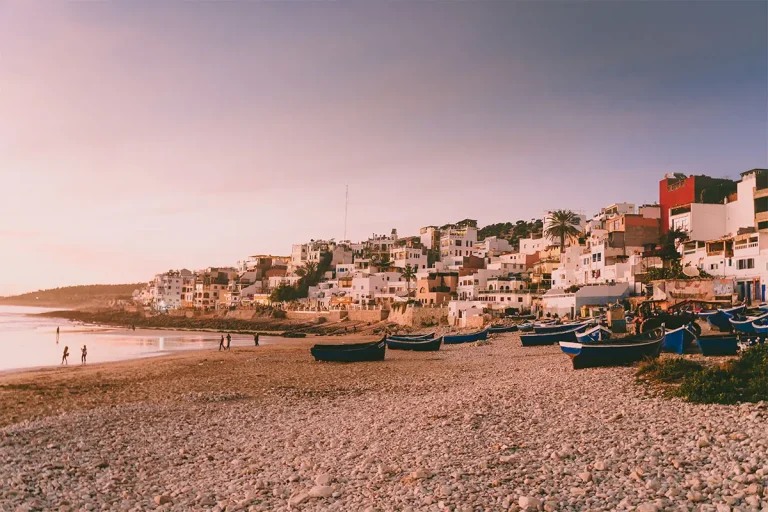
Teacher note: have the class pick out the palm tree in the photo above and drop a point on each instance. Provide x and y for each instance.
(409, 274)
(562, 225)
(308, 271)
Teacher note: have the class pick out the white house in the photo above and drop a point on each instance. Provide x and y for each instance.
(457, 241)
(463, 312)
(558, 301)
(533, 245)
(416, 257)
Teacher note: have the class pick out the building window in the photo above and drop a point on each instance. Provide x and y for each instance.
(746, 264)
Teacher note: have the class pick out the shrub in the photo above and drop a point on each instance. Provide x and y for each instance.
(279, 313)
(322, 320)
(744, 379)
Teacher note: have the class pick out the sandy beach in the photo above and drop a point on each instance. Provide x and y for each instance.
(489, 427)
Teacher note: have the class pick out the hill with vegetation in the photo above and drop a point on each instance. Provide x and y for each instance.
(511, 232)
(74, 297)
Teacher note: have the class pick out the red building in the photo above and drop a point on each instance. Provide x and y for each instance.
(679, 189)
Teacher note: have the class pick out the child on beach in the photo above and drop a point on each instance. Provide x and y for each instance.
(57, 334)
(65, 356)
(221, 343)
(84, 351)
(256, 339)
(229, 340)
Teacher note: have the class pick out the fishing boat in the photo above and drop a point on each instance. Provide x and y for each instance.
(621, 352)
(496, 329)
(350, 352)
(747, 325)
(428, 345)
(678, 340)
(718, 344)
(525, 327)
(409, 337)
(547, 329)
(720, 321)
(597, 333)
(550, 338)
(465, 338)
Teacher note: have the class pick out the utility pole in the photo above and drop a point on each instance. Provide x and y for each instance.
(346, 209)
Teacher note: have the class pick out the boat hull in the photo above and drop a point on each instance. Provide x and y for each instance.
(549, 329)
(720, 321)
(506, 328)
(727, 345)
(631, 350)
(678, 340)
(432, 345)
(534, 340)
(598, 333)
(350, 353)
(747, 326)
(465, 338)
(407, 337)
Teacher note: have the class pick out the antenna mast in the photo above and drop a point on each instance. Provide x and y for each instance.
(346, 208)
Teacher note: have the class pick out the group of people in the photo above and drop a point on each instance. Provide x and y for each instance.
(229, 341)
(83, 355)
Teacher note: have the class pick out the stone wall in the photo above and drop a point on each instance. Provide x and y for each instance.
(312, 316)
(416, 317)
(367, 315)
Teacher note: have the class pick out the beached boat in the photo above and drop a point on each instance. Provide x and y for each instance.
(409, 337)
(550, 338)
(678, 340)
(747, 325)
(465, 338)
(547, 329)
(496, 329)
(621, 352)
(597, 333)
(350, 352)
(428, 345)
(718, 345)
(720, 321)
(525, 327)
(291, 334)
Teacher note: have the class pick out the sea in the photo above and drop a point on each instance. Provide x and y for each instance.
(29, 341)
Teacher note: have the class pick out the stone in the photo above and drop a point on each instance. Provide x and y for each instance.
(420, 473)
(647, 507)
(703, 442)
(529, 503)
(321, 491)
(162, 499)
(323, 479)
(586, 476)
(600, 466)
(297, 499)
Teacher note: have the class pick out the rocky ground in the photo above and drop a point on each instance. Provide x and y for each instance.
(489, 427)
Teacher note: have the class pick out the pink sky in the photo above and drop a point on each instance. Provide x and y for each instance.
(141, 136)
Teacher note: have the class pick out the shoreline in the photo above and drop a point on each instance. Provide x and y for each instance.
(290, 433)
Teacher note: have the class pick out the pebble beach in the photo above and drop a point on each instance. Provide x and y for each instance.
(474, 427)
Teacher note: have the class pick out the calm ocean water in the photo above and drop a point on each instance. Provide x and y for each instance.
(28, 341)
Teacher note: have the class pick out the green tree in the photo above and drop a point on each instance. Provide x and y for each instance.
(563, 225)
(409, 274)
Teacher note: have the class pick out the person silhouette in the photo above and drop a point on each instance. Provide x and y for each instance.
(229, 340)
(65, 356)
(84, 352)
(57, 334)
(221, 343)
(256, 339)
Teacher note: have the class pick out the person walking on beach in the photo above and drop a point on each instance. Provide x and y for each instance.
(256, 339)
(57, 335)
(229, 340)
(221, 343)
(65, 356)
(84, 351)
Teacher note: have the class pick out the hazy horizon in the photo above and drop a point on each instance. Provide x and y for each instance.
(141, 136)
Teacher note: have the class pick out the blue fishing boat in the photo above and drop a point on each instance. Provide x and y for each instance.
(408, 337)
(550, 338)
(678, 340)
(496, 329)
(350, 352)
(747, 325)
(547, 329)
(525, 327)
(428, 345)
(465, 338)
(718, 345)
(735, 310)
(720, 321)
(621, 352)
(597, 333)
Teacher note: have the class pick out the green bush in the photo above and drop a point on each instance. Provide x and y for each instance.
(279, 313)
(744, 379)
(322, 320)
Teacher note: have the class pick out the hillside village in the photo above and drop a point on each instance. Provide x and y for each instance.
(706, 239)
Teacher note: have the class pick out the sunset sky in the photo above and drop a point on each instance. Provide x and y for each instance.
(138, 136)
